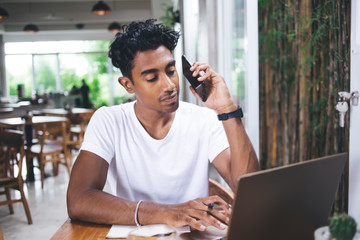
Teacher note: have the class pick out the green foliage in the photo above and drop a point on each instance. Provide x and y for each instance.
(69, 79)
(100, 59)
(342, 226)
(45, 73)
(304, 61)
(171, 17)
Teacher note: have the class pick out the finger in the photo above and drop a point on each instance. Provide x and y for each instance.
(220, 215)
(200, 68)
(192, 222)
(204, 204)
(196, 65)
(218, 200)
(207, 218)
(206, 75)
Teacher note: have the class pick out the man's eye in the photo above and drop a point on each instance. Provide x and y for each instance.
(152, 79)
(171, 72)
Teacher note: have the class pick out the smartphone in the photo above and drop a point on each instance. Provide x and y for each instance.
(199, 87)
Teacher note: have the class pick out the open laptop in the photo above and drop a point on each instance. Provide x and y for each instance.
(286, 203)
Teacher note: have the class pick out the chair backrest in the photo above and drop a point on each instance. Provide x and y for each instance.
(88, 115)
(13, 142)
(52, 131)
(78, 123)
(215, 188)
(75, 119)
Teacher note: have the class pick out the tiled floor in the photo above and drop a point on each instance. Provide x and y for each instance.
(47, 206)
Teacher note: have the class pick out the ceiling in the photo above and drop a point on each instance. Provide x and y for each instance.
(57, 19)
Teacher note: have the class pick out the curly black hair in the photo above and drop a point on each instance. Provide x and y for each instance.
(138, 37)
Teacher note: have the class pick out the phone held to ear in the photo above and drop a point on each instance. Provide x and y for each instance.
(199, 87)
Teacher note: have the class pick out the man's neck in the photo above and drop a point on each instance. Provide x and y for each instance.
(157, 124)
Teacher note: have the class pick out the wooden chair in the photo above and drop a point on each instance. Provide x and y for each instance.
(76, 134)
(215, 188)
(1, 234)
(51, 147)
(13, 143)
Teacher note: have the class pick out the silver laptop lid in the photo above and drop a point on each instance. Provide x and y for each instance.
(288, 202)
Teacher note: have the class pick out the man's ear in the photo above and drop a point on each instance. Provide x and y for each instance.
(127, 84)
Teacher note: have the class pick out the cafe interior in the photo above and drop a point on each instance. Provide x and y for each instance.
(288, 75)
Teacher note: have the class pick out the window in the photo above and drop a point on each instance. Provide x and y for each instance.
(55, 67)
(238, 52)
(225, 35)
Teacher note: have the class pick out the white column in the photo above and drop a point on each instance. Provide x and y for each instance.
(58, 79)
(33, 74)
(354, 151)
(252, 73)
(111, 81)
(190, 35)
(4, 92)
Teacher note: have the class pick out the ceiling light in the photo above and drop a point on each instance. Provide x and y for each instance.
(3, 14)
(80, 26)
(31, 28)
(101, 8)
(114, 27)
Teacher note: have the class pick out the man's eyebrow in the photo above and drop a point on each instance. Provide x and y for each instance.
(170, 64)
(152, 70)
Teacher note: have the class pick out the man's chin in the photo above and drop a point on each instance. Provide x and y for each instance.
(172, 107)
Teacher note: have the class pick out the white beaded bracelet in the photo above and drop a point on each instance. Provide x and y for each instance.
(136, 213)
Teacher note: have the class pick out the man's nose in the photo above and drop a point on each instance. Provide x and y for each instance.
(168, 84)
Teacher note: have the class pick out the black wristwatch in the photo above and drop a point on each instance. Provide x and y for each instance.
(225, 116)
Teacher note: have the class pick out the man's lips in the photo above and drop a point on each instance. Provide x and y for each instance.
(169, 97)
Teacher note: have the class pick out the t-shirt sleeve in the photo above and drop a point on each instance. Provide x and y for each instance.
(218, 141)
(99, 135)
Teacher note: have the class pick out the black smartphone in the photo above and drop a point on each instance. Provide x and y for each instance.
(200, 87)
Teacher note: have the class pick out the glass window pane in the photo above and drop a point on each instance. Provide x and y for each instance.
(18, 48)
(19, 71)
(73, 67)
(59, 65)
(45, 67)
(238, 46)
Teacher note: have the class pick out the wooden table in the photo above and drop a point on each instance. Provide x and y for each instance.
(28, 130)
(64, 112)
(77, 230)
(81, 230)
(6, 110)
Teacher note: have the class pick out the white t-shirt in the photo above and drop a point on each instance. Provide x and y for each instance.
(170, 170)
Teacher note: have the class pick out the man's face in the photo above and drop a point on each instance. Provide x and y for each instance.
(156, 81)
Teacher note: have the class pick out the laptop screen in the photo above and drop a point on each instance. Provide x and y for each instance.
(288, 202)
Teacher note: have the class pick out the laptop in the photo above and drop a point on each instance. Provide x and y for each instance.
(286, 203)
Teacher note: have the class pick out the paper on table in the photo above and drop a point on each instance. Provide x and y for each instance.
(122, 231)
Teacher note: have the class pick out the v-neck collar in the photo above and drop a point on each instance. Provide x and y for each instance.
(143, 131)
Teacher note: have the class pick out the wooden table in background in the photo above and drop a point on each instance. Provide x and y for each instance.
(28, 131)
(64, 112)
(6, 110)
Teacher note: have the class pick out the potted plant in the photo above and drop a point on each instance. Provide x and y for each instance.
(341, 227)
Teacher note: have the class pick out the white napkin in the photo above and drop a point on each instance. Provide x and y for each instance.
(122, 231)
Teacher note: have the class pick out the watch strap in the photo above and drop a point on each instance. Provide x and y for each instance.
(225, 116)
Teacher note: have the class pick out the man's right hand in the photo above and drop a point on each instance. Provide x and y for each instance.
(195, 213)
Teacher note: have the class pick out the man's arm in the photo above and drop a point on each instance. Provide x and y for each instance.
(240, 158)
(87, 201)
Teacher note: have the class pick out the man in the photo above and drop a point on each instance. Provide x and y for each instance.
(156, 150)
(85, 90)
